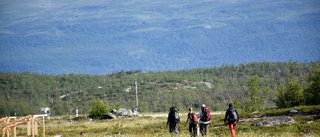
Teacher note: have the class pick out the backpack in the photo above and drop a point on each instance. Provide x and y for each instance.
(206, 114)
(233, 115)
(194, 118)
(175, 115)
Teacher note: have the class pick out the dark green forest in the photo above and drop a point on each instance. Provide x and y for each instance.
(25, 93)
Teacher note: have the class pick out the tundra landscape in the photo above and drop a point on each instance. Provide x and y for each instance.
(154, 124)
(71, 67)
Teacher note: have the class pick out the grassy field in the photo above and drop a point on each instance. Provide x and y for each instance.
(146, 126)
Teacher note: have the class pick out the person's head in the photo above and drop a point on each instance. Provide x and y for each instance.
(172, 107)
(202, 106)
(230, 105)
(190, 109)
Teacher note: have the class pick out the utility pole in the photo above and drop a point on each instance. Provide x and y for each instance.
(136, 95)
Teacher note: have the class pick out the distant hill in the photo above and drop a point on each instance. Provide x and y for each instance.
(101, 37)
(25, 93)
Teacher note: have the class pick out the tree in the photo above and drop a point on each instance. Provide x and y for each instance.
(58, 109)
(258, 94)
(312, 93)
(291, 94)
(98, 109)
(254, 90)
(25, 92)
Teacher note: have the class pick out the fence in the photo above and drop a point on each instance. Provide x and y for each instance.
(9, 123)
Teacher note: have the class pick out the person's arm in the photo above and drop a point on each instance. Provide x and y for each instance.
(168, 121)
(200, 114)
(226, 116)
(187, 121)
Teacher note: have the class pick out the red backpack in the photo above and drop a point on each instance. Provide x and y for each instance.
(194, 118)
(206, 114)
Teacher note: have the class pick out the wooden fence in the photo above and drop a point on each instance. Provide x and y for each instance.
(9, 123)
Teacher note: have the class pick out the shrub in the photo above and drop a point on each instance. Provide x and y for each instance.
(98, 109)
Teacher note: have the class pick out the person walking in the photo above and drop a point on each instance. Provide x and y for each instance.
(205, 120)
(173, 120)
(193, 123)
(233, 119)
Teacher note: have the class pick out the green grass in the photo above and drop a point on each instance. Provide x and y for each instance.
(146, 126)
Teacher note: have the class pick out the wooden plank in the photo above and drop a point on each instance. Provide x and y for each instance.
(8, 133)
(29, 128)
(32, 122)
(3, 132)
(43, 128)
(36, 128)
(15, 129)
(3, 119)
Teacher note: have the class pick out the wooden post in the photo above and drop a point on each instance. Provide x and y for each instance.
(29, 128)
(8, 132)
(136, 95)
(35, 127)
(43, 127)
(15, 129)
(3, 132)
(32, 126)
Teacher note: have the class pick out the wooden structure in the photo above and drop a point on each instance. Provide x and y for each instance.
(136, 95)
(9, 123)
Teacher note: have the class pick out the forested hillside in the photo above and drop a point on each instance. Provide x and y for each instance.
(25, 92)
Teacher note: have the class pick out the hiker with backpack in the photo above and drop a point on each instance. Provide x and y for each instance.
(232, 120)
(173, 120)
(193, 123)
(205, 120)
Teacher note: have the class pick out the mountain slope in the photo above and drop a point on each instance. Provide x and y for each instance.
(25, 93)
(99, 37)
